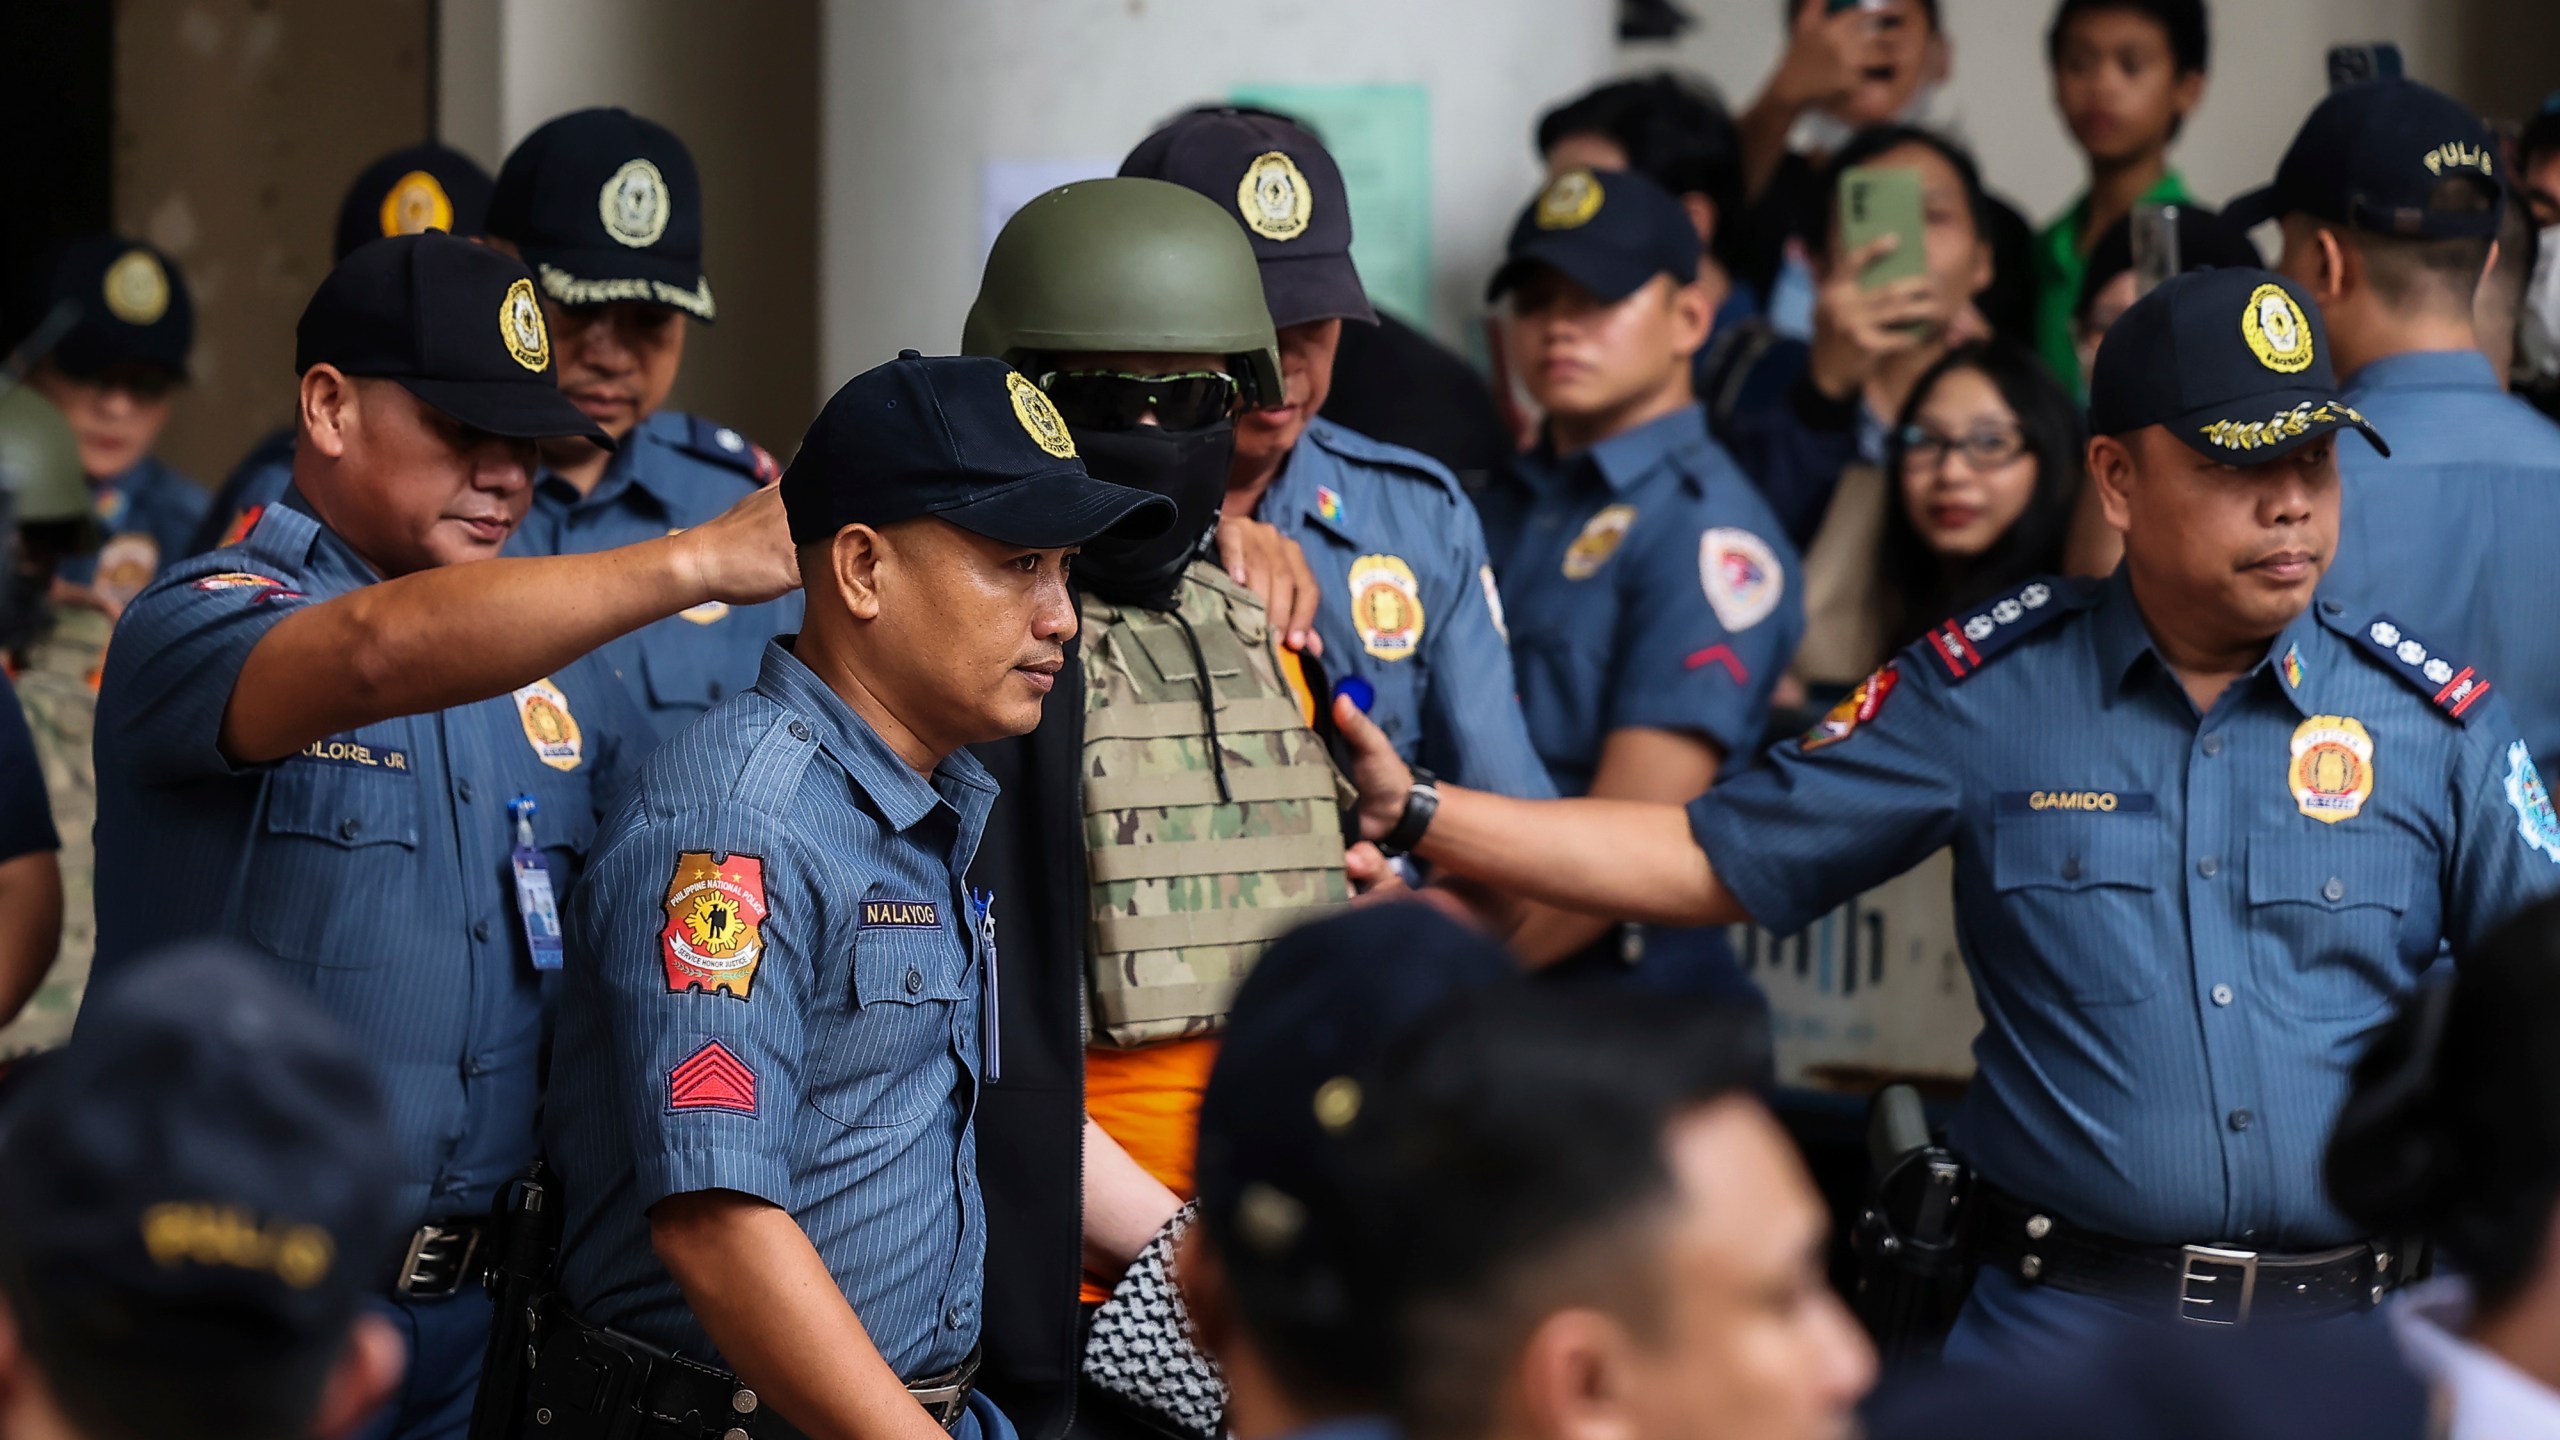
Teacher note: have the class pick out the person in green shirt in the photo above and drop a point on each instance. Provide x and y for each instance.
(2126, 74)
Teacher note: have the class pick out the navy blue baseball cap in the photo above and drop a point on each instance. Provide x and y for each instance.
(456, 324)
(1279, 181)
(962, 438)
(606, 206)
(412, 190)
(1323, 1011)
(132, 305)
(2371, 156)
(196, 1196)
(1609, 231)
(2234, 362)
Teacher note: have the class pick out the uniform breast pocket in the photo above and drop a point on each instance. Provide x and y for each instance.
(2084, 891)
(689, 666)
(887, 1057)
(335, 875)
(1564, 685)
(2325, 917)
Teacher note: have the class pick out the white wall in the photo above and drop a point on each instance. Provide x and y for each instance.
(920, 94)
(2268, 70)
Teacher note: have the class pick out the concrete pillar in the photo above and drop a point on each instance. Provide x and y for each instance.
(922, 97)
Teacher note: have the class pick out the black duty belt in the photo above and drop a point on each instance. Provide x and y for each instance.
(2197, 1284)
(593, 1381)
(441, 1257)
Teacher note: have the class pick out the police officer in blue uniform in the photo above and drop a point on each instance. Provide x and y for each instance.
(113, 373)
(607, 209)
(781, 995)
(408, 191)
(1654, 599)
(2389, 197)
(2207, 827)
(363, 746)
(1408, 605)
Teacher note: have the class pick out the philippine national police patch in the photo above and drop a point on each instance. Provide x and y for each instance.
(1858, 707)
(714, 935)
(1743, 579)
(2279, 334)
(2331, 773)
(520, 325)
(1386, 606)
(1601, 535)
(416, 204)
(1273, 197)
(2535, 819)
(548, 726)
(1569, 201)
(136, 288)
(1040, 418)
(634, 204)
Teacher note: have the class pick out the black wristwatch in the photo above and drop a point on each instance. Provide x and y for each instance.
(1420, 804)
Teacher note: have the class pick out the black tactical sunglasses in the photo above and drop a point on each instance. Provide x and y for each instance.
(1116, 400)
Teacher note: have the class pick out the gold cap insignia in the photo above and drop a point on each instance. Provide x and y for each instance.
(416, 204)
(137, 288)
(1273, 197)
(1570, 199)
(2279, 334)
(1040, 419)
(520, 325)
(634, 204)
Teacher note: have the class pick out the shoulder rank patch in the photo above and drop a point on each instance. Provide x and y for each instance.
(714, 935)
(724, 446)
(1856, 708)
(2450, 687)
(241, 524)
(712, 1079)
(1964, 644)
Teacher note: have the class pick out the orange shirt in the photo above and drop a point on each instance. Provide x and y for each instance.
(1148, 1099)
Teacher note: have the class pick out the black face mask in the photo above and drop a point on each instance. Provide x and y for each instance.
(1188, 467)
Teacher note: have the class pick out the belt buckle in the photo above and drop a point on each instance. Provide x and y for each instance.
(2204, 1268)
(438, 1259)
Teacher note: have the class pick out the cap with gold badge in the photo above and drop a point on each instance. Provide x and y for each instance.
(1279, 181)
(2233, 362)
(413, 190)
(196, 1196)
(606, 206)
(132, 304)
(1609, 231)
(964, 439)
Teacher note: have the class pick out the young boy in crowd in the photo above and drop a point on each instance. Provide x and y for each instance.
(2126, 74)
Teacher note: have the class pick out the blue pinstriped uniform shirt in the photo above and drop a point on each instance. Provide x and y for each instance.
(773, 988)
(371, 870)
(2182, 929)
(2454, 531)
(672, 472)
(1409, 604)
(1648, 585)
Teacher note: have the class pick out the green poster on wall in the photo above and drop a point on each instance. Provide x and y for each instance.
(1381, 137)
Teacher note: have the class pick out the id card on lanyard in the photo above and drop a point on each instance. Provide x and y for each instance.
(982, 919)
(536, 903)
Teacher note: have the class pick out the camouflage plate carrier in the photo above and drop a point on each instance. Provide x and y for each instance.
(58, 689)
(1188, 887)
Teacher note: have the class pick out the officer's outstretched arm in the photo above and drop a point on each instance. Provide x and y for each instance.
(1626, 859)
(755, 1282)
(437, 638)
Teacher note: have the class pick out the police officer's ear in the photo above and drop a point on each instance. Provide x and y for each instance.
(2328, 267)
(1576, 1376)
(851, 571)
(1691, 318)
(366, 1375)
(327, 409)
(2111, 469)
(1702, 213)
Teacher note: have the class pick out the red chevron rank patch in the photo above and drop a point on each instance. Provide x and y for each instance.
(712, 1079)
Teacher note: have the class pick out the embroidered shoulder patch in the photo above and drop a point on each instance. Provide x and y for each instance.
(714, 936)
(1966, 643)
(2448, 685)
(712, 1079)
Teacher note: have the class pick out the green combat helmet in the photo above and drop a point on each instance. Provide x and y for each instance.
(1126, 264)
(39, 460)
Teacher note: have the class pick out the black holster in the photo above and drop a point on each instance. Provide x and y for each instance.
(520, 1276)
(1913, 1239)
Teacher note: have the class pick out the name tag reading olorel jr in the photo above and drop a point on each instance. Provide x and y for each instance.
(357, 754)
